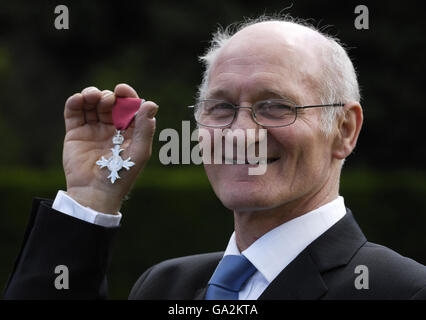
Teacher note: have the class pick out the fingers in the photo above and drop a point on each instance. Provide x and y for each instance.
(105, 105)
(92, 106)
(91, 96)
(74, 113)
(124, 90)
(143, 132)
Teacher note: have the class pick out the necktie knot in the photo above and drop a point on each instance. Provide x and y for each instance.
(229, 276)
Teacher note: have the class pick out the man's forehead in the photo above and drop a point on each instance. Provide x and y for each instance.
(266, 37)
(287, 31)
(279, 48)
(273, 42)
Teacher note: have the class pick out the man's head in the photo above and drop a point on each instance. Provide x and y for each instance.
(284, 59)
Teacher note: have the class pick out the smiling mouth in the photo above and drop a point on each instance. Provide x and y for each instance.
(271, 160)
(235, 162)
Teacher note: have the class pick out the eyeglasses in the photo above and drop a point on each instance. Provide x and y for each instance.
(269, 113)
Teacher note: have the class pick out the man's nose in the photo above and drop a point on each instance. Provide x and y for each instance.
(244, 119)
(244, 126)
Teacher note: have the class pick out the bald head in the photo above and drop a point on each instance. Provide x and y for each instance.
(288, 35)
(296, 49)
(316, 60)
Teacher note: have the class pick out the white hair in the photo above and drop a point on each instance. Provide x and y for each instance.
(339, 80)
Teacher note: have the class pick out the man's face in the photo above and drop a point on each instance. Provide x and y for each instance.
(255, 67)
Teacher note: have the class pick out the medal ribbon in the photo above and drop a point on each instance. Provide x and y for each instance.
(124, 110)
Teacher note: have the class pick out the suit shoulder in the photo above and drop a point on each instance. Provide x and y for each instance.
(389, 259)
(192, 261)
(391, 268)
(176, 278)
(385, 274)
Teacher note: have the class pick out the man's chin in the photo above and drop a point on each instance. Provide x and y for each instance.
(244, 203)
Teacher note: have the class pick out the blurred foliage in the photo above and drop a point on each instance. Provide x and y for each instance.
(153, 46)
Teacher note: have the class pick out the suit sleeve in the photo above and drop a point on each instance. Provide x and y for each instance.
(54, 239)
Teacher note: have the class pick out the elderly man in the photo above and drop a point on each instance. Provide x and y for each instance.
(293, 239)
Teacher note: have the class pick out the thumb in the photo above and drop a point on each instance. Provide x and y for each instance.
(143, 133)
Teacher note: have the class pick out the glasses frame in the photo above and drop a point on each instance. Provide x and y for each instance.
(253, 115)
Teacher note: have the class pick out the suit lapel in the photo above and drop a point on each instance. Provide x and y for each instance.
(302, 278)
(200, 293)
(201, 287)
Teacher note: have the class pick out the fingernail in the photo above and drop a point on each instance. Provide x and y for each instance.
(152, 113)
(107, 95)
(91, 89)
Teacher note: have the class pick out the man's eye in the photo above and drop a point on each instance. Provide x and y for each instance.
(275, 109)
(220, 107)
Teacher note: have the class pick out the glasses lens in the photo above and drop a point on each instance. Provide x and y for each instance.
(214, 113)
(274, 113)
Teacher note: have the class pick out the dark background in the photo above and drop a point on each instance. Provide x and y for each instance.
(153, 46)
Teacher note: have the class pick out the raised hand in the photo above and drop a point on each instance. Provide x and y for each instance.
(89, 132)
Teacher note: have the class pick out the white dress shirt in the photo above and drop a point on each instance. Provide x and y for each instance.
(65, 204)
(270, 254)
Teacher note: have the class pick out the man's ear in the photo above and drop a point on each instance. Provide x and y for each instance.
(348, 128)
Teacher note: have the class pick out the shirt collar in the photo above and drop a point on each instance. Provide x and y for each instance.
(272, 252)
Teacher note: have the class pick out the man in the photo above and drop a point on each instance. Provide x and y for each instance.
(293, 239)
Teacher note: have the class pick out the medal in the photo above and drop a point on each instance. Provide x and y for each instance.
(123, 113)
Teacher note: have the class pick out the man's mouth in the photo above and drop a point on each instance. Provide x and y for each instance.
(271, 160)
(246, 162)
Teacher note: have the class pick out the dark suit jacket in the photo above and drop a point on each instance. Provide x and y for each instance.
(324, 270)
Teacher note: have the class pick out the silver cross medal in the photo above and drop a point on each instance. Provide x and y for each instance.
(115, 163)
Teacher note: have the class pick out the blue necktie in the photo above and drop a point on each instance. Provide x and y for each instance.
(229, 277)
